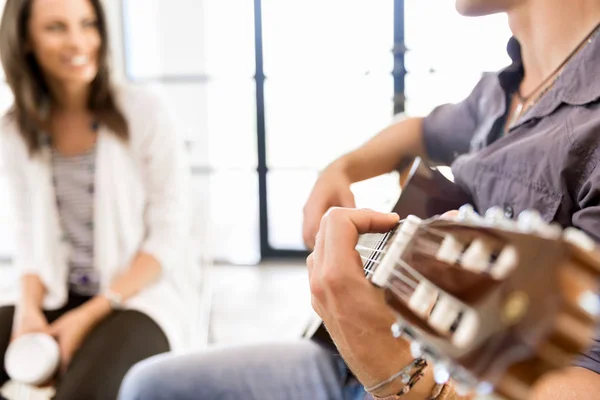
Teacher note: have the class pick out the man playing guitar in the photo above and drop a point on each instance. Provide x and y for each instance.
(527, 137)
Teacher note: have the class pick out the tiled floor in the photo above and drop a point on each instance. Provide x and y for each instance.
(270, 302)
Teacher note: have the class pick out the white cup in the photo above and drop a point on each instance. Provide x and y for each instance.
(32, 359)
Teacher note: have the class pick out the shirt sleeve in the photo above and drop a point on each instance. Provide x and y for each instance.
(16, 163)
(587, 219)
(449, 128)
(165, 172)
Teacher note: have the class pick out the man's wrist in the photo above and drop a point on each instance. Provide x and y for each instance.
(401, 382)
(342, 165)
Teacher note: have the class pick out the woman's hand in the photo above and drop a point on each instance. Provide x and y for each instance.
(71, 329)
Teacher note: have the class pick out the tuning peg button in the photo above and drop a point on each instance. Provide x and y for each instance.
(484, 388)
(416, 351)
(579, 238)
(467, 213)
(495, 215)
(397, 329)
(462, 389)
(590, 303)
(529, 220)
(441, 373)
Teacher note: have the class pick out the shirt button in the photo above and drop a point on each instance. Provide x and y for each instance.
(508, 211)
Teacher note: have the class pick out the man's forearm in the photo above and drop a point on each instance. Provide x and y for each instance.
(383, 153)
(573, 383)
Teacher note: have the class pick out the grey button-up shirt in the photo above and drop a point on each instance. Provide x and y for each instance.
(547, 161)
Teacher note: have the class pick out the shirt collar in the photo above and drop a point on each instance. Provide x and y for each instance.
(578, 84)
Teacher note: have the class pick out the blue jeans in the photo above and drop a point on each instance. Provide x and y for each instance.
(294, 371)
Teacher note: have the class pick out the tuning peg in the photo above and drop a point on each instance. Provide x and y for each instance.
(463, 382)
(529, 220)
(397, 329)
(467, 329)
(441, 373)
(423, 298)
(579, 238)
(506, 262)
(550, 231)
(462, 389)
(494, 215)
(467, 213)
(484, 388)
(590, 302)
(477, 255)
(444, 314)
(416, 351)
(450, 249)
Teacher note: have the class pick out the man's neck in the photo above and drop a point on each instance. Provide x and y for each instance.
(548, 31)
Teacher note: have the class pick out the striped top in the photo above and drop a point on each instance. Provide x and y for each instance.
(73, 179)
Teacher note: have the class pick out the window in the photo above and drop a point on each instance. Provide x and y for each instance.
(328, 89)
(201, 55)
(270, 91)
(447, 53)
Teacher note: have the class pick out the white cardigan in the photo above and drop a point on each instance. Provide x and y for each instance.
(141, 203)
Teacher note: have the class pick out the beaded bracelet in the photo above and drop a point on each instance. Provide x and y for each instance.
(439, 392)
(409, 379)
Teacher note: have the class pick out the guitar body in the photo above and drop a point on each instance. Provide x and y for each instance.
(425, 193)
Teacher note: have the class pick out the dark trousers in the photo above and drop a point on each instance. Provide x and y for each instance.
(111, 348)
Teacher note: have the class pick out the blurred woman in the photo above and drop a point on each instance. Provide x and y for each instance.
(99, 186)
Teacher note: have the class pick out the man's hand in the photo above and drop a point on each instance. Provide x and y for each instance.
(332, 189)
(353, 310)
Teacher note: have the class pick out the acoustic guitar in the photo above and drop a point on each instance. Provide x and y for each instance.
(491, 303)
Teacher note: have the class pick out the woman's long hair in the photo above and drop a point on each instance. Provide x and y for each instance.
(29, 88)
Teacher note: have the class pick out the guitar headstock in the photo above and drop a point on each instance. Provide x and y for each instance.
(492, 303)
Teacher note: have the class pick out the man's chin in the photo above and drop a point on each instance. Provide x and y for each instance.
(477, 8)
